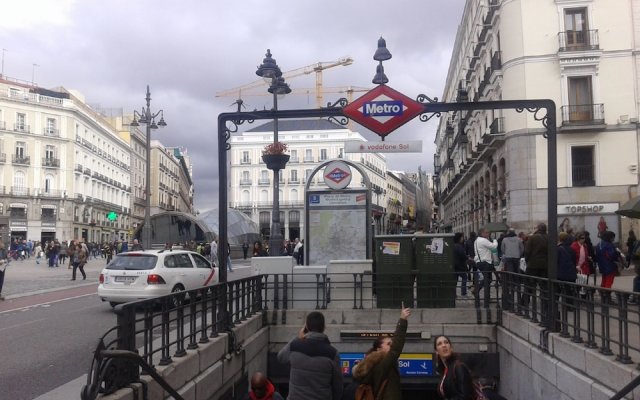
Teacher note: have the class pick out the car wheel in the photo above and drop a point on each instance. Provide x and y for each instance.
(113, 304)
(177, 299)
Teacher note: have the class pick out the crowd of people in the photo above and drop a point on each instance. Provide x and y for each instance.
(527, 254)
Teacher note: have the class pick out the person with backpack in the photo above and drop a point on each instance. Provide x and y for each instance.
(378, 373)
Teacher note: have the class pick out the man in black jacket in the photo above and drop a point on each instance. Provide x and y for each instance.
(315, 364)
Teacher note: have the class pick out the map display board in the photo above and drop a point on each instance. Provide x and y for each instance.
(337, 226)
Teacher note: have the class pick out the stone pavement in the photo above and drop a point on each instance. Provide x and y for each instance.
(24, 278)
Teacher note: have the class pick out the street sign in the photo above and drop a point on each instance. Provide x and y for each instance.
(337, 175)
(410, 146)
(383, 110)
(409, 364)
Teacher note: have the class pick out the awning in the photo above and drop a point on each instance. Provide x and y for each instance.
(17, 205)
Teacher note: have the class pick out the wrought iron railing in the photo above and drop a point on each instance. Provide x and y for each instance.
(579, 40)
(583, 114)
(162, 329)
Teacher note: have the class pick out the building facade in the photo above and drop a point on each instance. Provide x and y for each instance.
(63, 167)
(491, 165)
(311, 142)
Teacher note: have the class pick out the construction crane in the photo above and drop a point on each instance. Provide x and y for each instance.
(349, 90)
(246, 90)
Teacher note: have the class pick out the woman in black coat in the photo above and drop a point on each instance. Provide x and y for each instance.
(460, 262)
(456, 382)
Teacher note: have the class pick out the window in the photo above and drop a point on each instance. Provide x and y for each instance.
(307, 174)
(582, 166)
(294, 155)
(308, 155)
(294, 175)
(245, 176)
(21, 122)
(580, 98)
(264, 175)
(575, 24)
(51, 126)
(323, 154)
(48, 183)
(245, 158)
(21, 150)
(49, 152)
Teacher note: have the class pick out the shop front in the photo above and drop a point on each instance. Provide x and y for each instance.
(594, 218)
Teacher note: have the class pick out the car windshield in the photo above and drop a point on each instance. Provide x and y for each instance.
(133, 262)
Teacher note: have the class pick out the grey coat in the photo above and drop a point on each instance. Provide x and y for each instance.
(315, 368)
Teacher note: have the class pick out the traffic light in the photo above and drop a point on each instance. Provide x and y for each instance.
(112, 216)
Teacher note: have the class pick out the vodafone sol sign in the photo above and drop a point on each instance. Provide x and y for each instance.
(383, 110)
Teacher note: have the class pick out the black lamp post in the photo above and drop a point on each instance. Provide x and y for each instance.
(269, 70)
(149, 119)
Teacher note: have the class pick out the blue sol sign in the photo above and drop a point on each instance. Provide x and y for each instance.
(409, 364)
(383, 110)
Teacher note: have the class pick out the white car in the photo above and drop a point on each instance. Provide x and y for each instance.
(146, 274)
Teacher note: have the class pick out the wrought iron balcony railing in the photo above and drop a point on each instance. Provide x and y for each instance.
(51, 132)
(579, 40)
(20, 160)
(583, 114)
(51, 162)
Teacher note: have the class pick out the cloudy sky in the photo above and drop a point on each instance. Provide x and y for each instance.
(189, 50)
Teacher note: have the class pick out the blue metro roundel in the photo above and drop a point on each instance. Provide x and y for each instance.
(383, 110)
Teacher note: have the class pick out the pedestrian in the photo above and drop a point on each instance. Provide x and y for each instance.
(125, 247)
(229, 258)
(258, 250)
(4, 260)
(606, 256)
(460, 267)
(108, 251)
(63, 252)
(70, 250)
(296, 250)
(245, 249)
(631, 243)
(301, 253)
(214, 251)
(512, 250)
(79, 260)
(567, 270)
(484, 250)
(262, 389)
(51, 254)
(379, 368)
(315, 364)
(136, 246)
(535, 254)
(456, 381)
(469, 249)
(39, 253)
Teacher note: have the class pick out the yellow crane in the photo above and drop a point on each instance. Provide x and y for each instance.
(317, 68)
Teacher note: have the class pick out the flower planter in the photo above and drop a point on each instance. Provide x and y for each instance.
(275, 161)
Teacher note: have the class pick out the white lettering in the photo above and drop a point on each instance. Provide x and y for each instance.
(375, 108)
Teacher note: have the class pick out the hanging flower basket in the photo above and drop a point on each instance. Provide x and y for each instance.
(274, 156)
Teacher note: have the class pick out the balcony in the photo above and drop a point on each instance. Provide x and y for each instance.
(3, 158)
(51, 132)
(294, 181)
(245, 161)
(19, 191)
(264, 181)
(294, 160)
(21, 128)
(87, 171)
(20, 160)
(79, 197)
(51, 193)
(582, 114)
(308, 159)
(578, 40)
(497, 126)
(78, 168)
(51, 162)
(48, 220)
(246, 182)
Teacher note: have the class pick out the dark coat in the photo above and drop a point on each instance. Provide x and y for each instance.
(566, 263)
(606, 256)
(459, 258)
(457, 383)
(378, 366)
(535, 252)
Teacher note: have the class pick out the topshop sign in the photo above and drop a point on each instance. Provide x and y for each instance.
(604, 208)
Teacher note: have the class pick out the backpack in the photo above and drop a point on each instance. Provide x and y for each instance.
(365, 391)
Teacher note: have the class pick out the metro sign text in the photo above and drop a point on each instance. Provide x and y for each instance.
(383, 110)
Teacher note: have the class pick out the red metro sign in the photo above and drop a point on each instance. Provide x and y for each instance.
(383, 110)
